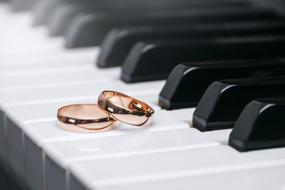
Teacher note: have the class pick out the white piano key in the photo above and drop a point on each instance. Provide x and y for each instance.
(35, 65)
(261, 177)
(51, 93)
(31, 51)
(113, 170)
(61, 154)
(34, 166)
(184, 114)
(35, 45)
(25, 42)
(65, 152)
(18, 75)
(14, 150)
(39, 134)
(218, 135)
(59, 76)
(18, 36)
(13, 23)
(73, 91)
(80, 56)
(35, 39)
(20, 20)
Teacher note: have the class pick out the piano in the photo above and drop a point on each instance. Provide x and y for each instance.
(213, 70)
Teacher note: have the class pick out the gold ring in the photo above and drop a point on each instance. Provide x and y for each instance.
(84, 118)
(125, 108)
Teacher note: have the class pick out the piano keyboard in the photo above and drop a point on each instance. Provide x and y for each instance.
(178, 57)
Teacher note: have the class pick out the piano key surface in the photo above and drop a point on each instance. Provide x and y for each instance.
(207, 160)
(266, 176)
(170, 154)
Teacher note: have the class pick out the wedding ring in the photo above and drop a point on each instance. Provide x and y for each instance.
(84, 118)
(125, 108)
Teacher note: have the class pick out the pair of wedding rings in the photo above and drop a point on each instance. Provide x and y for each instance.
(113, 107)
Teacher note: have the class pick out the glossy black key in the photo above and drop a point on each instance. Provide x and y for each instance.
(261, 125)
(118, 43)
(154, 61)
(90, 29)
(223, 101)
(187, 82)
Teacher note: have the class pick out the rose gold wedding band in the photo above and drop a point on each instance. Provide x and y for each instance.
(84, 118)
(125, 108)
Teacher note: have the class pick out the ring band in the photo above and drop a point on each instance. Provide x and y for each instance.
(125, 108)
(84, 118)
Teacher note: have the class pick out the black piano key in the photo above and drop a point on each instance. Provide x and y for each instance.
(62, 18)
(274, 5)
(90, 29)
(260, 126)
(43, 10)
(223, 101)
(118, 43)
(185, 86)
(154, 61)
(146, 5)
(22, 5)
(81, 32)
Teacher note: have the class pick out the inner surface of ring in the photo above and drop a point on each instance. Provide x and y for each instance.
(126, 108)
(84, 112)
(127, 102)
